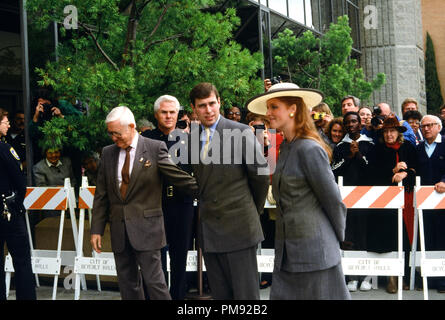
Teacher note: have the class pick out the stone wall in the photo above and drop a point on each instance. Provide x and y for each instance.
(394, 47)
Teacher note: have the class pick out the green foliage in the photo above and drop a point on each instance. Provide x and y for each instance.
(324, 63)
(172, 46)
(434, 99)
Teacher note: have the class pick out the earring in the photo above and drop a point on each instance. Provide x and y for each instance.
(291, 115)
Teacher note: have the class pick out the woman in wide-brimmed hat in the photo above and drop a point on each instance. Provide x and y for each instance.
(311, 216)
(393, 161)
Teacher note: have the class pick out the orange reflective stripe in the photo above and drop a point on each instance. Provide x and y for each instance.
(386, 197)
(355, 195)
(44, 198)
(422, 194)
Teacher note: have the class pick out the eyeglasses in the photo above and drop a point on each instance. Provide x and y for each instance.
(428, 125)
(231, 113)
(114, 134)
(5, 122)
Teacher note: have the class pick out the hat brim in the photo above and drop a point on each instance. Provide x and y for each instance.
(258, 104)
(401, 129)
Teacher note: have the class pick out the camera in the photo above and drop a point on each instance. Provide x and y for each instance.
(377, 118)
(318, 115)
(259, 127)
(181, 124)
(47, 113)
(275, 80)
(376, 111)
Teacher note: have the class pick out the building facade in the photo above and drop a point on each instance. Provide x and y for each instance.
(433, 22)
(387, 37)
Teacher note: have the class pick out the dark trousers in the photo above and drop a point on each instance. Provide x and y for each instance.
(178, 218)
(434, 228)
(15, 236)
(233, 275)
(130, 278)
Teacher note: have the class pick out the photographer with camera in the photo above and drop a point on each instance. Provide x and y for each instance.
(380, 113)
(176, 206)
(46, 108)
(270, 82)
(322, 115)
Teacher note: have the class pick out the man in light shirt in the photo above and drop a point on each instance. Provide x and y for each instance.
(128, 195)
(431, 169)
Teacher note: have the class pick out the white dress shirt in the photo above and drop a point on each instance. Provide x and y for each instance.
(122, 154)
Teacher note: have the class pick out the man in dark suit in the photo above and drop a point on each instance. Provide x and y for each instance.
(231, 197)
(177, 207)
(431, 169)
(128, 194)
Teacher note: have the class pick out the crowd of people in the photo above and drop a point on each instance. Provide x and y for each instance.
(148, 199)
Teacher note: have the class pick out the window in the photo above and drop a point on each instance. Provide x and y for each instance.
(279, 6)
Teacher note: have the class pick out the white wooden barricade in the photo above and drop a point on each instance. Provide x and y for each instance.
(362, 262)
(432, 263)
(368, 263)
(48, 261)
(98, 264)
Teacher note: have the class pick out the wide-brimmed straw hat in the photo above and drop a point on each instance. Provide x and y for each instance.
(258, 104)
(392, 123)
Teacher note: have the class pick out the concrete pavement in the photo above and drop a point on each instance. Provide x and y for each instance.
(45, 293)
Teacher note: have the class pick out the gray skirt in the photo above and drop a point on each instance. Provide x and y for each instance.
(326, 284)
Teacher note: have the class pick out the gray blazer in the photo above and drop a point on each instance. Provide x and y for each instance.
(141, 209)
(311, 216)
(231, 196)
(45, 176)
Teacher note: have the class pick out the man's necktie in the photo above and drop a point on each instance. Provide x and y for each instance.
(206, 146)
(125, 173)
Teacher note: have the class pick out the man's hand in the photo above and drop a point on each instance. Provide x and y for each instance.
(354, 148)
(267, 84)
(440, 187)
(96, 242)
(56, 112)
(39, 109)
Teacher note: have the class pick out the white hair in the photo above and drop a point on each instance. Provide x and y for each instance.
(435, 119)
(164, 98)
(123, 114)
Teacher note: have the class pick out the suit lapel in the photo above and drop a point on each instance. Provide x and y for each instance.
(114, 168)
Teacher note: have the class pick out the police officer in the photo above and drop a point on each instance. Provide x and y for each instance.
(12, 219)
(177, 208)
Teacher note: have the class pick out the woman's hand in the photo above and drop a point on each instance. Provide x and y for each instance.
(399, 176)
(400, 166)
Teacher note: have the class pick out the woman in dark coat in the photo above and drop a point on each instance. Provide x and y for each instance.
(393, 161)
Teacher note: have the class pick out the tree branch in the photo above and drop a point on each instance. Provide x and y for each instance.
(91, 34)
(161, 17)
(176, 36)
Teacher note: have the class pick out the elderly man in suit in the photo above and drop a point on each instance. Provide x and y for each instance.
(431, 169)
(231, 197)
(128, 194)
